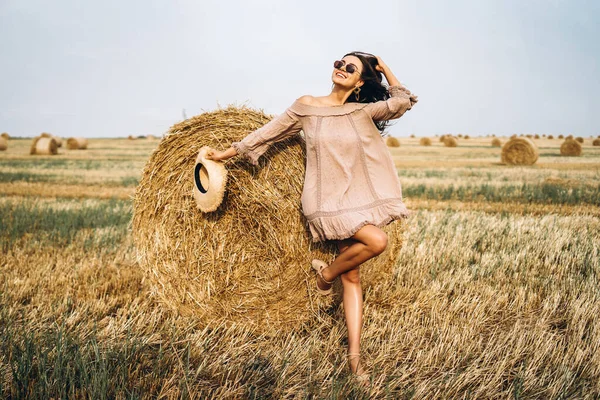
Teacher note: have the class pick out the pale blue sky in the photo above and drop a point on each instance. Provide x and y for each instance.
(115, 68)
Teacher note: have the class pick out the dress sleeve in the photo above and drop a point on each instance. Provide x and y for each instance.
(401, 100)
(278, 129)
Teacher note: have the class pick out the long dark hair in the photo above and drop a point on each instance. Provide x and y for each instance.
(373, 89)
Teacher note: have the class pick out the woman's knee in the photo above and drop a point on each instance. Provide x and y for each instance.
(378, 242)
(351, 277)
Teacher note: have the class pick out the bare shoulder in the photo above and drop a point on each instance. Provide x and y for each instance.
(307, 99)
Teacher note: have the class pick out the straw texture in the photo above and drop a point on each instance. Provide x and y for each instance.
(249, 261)
(519, 151)
(570, 147)
(77, 143)
(43, 146)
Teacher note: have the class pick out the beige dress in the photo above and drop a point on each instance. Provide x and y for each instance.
(350, 178)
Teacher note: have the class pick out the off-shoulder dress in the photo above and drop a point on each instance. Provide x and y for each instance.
(350, 179)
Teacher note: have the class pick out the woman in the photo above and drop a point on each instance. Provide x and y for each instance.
(351, 186)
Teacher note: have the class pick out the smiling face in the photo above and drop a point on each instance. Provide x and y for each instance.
(345, 79)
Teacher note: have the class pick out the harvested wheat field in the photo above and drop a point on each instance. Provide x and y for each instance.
(493, 294)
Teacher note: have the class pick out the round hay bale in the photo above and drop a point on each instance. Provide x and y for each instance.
(248, 262)
(392, 141)
(450, 141)
(460, 135)
(579, 139)
(496, 142)
(513, 136)
(543, 135)
(43, 146)
(150, 137)
(596, 142)
(425, 141)
(571, 148)
(3, 143)
(519, 151)
(59, 141)
(536, 136)
(467, 137)
(442, 138)
(5, 135)
(131, 137)
(77, 143)
(412, 136)
(561, 137)
(45, 135)
(550, 137)
(570, 137)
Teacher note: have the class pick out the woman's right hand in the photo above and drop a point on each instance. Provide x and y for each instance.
(215, 155)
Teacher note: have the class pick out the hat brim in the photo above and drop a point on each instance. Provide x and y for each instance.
(210, 178)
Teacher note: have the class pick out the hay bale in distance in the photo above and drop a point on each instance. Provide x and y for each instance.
(571, 148)
(43, 146)
(5, 135)
(442, 138)
(496, 142)
(561, 137)
(77, 143)
(3, 143)
(596, 142)
(425, 141)
(550, 137)
(579, 139)
(150, 137)
(49, 135)
(412, 136)
(392, 141)
(536, 136)
(131, 137)
(519, 151)
(450, 141)
(467, 137)
(248, 262)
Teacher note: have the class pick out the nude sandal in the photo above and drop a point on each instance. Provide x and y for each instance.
(319, 266)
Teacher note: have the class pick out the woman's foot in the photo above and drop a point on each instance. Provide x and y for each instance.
(323, 285)
(358, 372)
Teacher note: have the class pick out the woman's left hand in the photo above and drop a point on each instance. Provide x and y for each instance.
(380, 64)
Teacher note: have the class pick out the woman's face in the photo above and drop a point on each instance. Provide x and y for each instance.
(344, 78)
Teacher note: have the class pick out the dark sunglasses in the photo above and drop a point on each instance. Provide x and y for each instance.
(350, 68)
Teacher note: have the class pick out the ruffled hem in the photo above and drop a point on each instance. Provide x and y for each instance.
(345, 225)
(243, 151)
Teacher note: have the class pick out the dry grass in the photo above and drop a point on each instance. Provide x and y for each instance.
(392, 141)
(571, 148)
(519, 151)
(248, 261)
(488, 299)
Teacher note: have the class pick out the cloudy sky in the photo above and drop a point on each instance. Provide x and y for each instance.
(117, 67)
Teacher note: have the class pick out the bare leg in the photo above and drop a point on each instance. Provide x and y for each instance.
(367, 243)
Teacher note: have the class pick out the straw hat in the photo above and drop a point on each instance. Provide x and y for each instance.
(209, 182)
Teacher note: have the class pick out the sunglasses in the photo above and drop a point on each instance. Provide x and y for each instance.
(350, 68)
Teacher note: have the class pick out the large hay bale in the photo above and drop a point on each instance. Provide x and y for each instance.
(450, 141)
(392, 142)
(3, 143)
(496, 142)
(425, 141)
(43, 146)
(77, 143)
(570, 147)
(5, 135)
(579, 139)
(596, 142)
(519, 151)
(249, 261)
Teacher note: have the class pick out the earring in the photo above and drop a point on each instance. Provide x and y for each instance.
(356, 93)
